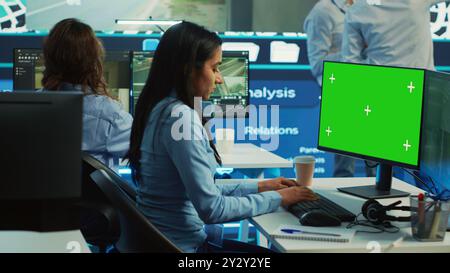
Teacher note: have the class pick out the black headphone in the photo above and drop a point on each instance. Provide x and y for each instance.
(376, 213)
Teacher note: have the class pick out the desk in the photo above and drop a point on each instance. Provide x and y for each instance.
(71, 241)
(362, 242)
(249, 159)
(252, 161)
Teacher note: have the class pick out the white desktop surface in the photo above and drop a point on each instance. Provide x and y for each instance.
(246, 156)
(70, 241)
(362, 242)
(249, 156)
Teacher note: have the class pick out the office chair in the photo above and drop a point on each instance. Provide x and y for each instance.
(94, 164)
(99, 219)
(137, 233)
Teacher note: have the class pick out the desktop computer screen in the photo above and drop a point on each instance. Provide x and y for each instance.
(29, 68)
(40, 158)
(234, 89)
(116, 70)
(435, 148)
(375, 113)
(140, 67)
(232, 92)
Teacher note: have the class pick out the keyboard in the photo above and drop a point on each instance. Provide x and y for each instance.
(324, 204)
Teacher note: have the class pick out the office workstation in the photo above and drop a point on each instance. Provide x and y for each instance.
(365, 240)
(262, 145)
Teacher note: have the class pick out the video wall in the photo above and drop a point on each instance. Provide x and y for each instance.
(18, 15)
(21, 15)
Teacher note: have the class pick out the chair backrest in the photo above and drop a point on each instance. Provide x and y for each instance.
(100, 222)
(138, 234)
(91, 164)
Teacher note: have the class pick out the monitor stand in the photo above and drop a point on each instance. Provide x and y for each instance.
(382, 189)
(371, 192)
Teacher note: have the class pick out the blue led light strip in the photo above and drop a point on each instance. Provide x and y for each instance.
(280, 67)
(6, 65)
(443, 68)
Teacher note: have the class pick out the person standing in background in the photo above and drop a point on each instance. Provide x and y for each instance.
(324, 26)
(391, 33)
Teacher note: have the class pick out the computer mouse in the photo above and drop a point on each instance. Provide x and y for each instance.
(319, 218)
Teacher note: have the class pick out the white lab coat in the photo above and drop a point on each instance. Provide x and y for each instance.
(393, 33)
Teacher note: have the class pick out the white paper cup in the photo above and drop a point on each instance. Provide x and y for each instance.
(224, 140)
(304, 170)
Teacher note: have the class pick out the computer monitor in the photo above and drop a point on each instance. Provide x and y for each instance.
(435, 148)
(234, 89)
(116, 70)
(374, 113)
(140, 67)
(29, 68)
(40, 159)
(233, 92)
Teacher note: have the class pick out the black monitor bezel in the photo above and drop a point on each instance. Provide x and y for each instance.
(366, 157)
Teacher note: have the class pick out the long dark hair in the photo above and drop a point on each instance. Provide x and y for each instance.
(183, 48)
(74, 55)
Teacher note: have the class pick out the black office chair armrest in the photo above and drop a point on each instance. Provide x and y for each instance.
(99, 224)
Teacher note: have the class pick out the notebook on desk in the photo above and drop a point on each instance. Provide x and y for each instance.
(298, 232)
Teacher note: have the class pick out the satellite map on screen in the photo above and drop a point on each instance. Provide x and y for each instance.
(12, 14)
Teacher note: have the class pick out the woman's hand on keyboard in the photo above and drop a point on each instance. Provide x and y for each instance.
(275, 184)
(293, 195)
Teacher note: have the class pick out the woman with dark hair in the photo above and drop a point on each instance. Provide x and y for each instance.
(175, 171)
(73, 59)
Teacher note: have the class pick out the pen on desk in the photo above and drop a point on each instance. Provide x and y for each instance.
(292, 231)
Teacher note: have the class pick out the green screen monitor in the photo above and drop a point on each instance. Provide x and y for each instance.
(374, 113)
